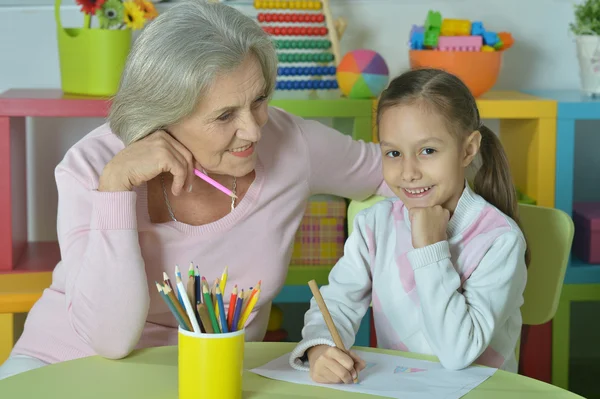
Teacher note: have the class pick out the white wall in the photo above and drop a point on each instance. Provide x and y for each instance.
(543, 57)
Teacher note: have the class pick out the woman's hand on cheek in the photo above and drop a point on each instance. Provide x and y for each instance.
(428, 225)
(145, 159)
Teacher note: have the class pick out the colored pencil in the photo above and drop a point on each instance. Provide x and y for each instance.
(327, 316)
(211, 310)
(223, 281)
(238, 311)
(247, 310)
(169, 292)
(197, 285)
(167, 280)
(232, 300)
(172, 308)
(178, 274)
(190, 289)
(205, 318)
(213, 183)
(222, 310)
(246, 298)
(252, 293)
(188, 306)
(213, 297)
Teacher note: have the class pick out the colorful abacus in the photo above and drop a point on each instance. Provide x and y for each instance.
(307, 42)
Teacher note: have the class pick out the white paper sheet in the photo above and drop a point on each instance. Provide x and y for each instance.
(391, 377)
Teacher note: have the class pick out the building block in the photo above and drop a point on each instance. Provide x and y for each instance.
(432, 27)
(417, 37)
(460, 43)
(488, 49)
(433, 21)
(506, 39)
(490, 38)
(456, 27)
(477, 29)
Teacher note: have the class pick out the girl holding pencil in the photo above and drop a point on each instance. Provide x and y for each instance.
(193, 165)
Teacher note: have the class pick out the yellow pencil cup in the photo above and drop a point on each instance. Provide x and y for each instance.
(210, 365)
(91, 60)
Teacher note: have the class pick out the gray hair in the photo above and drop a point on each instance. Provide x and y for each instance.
(176, 59)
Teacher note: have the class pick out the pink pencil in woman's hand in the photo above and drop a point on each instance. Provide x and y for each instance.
(214, 183)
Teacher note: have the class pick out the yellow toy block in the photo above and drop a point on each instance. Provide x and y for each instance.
(456, 27)
(488, 49)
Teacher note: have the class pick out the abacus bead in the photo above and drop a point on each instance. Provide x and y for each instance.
(323, 31)
(296, 84)
(303, 57)
(287, 17)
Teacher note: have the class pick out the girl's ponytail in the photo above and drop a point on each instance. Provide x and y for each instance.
(493, 180)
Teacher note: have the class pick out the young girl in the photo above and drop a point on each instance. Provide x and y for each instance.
(444, 265)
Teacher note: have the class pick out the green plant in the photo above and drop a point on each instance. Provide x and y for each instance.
(587, 18)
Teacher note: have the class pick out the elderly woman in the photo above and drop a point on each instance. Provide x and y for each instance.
(194, 94)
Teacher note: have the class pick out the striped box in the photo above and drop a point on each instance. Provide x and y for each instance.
(322, 232)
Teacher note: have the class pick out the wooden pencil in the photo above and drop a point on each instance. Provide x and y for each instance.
(172, 308)
(169, 292)
(211, 310)
(167, 280)
(248, 310)
(231, 309)
(205, 318)
(327, 316)
(188, 305)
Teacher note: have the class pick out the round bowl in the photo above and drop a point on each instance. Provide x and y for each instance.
(477, 69)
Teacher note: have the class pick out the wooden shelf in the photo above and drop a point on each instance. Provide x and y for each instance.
(580, 272)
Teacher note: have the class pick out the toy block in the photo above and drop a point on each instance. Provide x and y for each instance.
(490, 38)
(488, 49)
(433, 21)
(460, 43)
(417, 37)
(506, 39)
(477, 29)
(431, 39)
(456, 27)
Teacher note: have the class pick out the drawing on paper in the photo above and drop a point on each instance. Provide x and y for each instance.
(402, 369)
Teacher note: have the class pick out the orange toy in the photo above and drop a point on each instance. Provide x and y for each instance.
(478, 70)
(506, 39)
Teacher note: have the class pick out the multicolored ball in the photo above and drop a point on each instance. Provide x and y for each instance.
(362, 74)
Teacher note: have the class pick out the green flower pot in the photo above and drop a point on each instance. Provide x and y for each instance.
(91, 60)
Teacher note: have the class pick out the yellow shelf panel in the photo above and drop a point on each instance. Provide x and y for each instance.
(515, 105)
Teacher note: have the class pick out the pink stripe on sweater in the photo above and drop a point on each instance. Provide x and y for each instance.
(490, 358)
(398, 211)
(489, 219)
(387, 337)
(407, 276)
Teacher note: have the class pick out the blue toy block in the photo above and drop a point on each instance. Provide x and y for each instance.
(490, 38)
(477, 29)
(417, 37)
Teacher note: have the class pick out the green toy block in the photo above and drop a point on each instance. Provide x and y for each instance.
(433, 21)
(498, 45)
(431, 38)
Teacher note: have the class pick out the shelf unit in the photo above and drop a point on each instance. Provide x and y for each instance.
(582, 280)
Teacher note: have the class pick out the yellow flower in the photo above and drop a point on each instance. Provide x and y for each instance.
(148, 8)
(134, 16)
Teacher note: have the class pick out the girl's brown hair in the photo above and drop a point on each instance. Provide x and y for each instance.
(447, 95)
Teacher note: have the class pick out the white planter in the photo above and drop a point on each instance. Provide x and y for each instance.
(588, 54)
